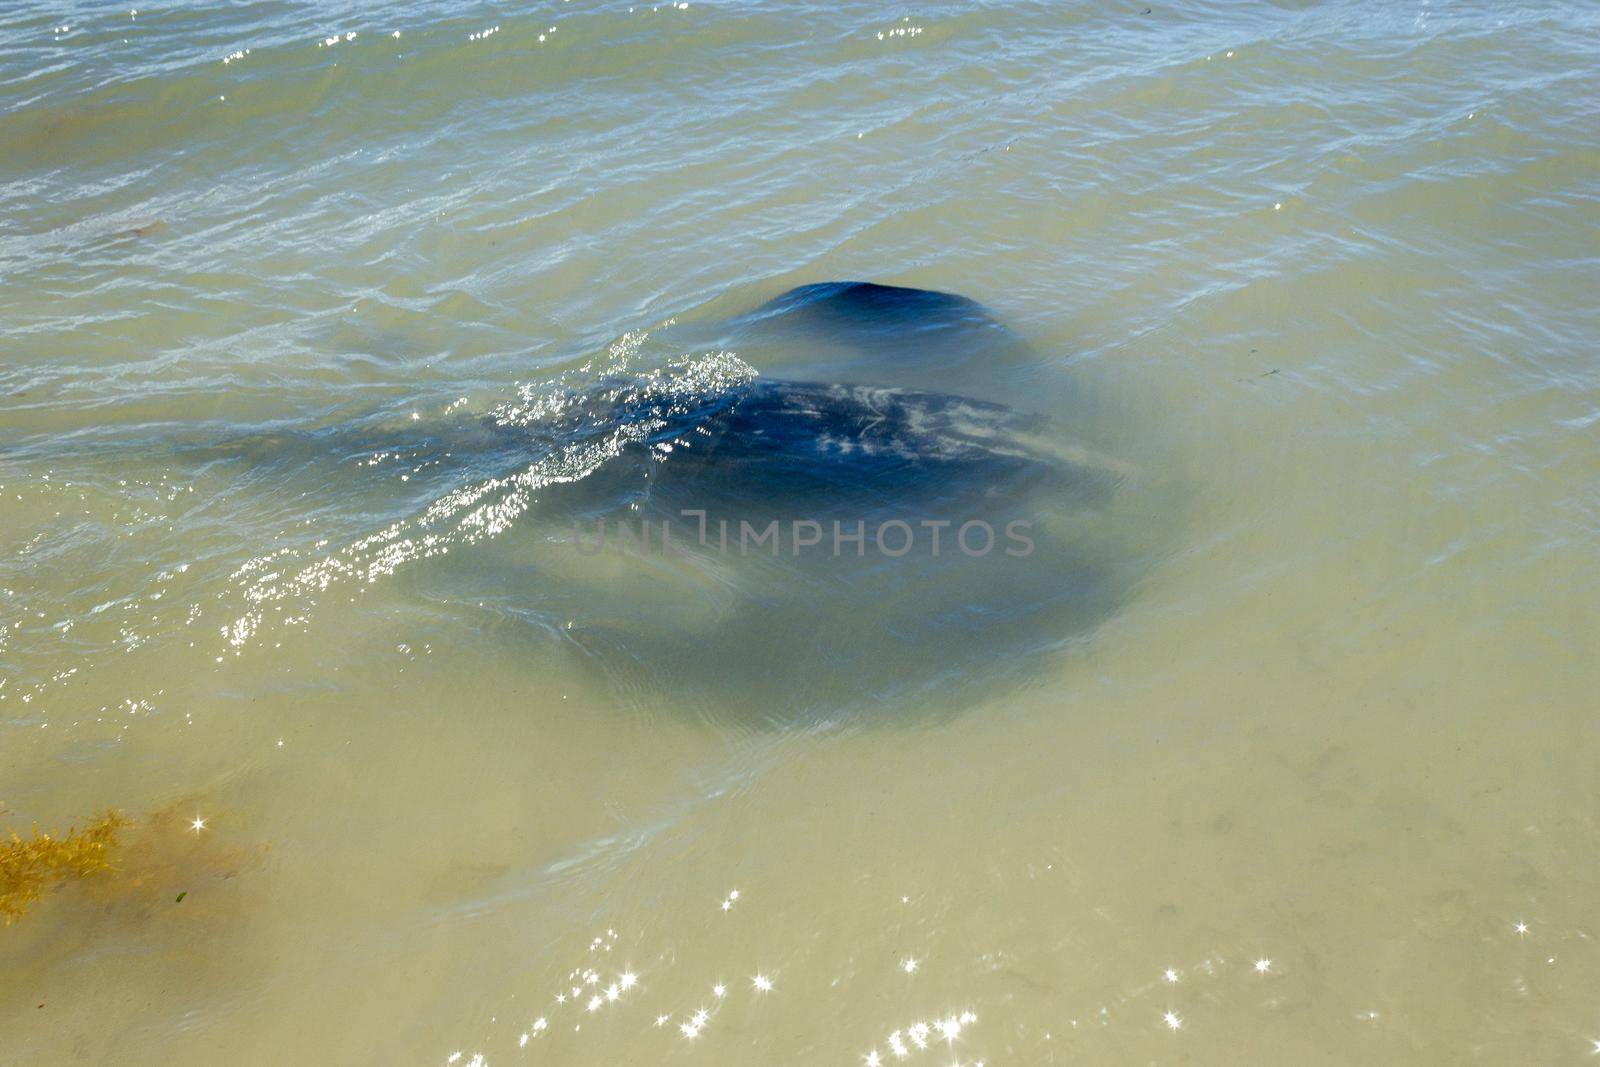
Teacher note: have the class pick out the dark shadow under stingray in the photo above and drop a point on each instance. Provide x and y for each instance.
(714, 562)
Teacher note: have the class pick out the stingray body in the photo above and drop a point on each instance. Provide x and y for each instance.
(836, 542)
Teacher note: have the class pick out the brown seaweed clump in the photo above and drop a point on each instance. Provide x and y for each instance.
(29, 866)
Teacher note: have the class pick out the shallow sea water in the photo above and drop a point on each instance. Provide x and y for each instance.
(1309, 778)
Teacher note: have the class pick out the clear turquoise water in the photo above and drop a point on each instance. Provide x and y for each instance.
(1326, 276)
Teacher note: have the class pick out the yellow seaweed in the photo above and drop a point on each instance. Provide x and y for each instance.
(29, 866)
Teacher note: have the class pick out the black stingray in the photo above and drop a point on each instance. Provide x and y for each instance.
(854, 497)
(765, 546)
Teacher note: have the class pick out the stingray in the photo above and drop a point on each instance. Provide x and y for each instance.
(852, 500)
(800, 524)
